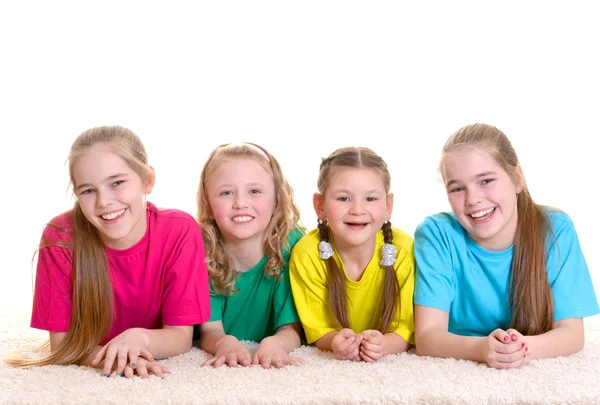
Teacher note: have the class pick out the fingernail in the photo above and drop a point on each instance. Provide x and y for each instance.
(106, 375)
(513, 336)
(527, 348)
(132, 365)
(505, 338)
(522, 344)
(121, 374)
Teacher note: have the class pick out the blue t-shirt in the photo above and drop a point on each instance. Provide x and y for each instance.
(456, 275)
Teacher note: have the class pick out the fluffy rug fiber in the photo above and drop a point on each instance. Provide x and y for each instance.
(399, 379)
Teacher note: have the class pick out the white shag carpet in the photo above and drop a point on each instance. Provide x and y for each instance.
(399, 379)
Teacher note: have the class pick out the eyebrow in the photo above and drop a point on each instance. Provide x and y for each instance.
(480, 175)
(109, 178)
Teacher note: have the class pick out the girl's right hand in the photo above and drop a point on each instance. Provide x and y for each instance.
(230, 351)
(126, 348)
(346, 345)
(500, 351)
(144, 368)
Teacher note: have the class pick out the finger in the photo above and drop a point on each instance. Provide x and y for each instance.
(501, 336)
(145, 353)
(373, 354)
(232, 360)
(265, 362)
(141, 369)
(365, 357)
(279, 363)
(128, 372)
(219, 361)
(100, 355)
(296, 361)
(245, 360)
(370, 346)
(165, 369)
(133, 357)
(509, 348)
(109, 360)
(514, 334)
(209, 362)
(510, 358)
(255, 360)
(121, 362)
(156, 369)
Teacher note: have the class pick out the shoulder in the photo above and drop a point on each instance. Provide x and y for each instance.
(295, 235)
(59, 228)
(172, 221)
(308, 242)
(442, 222)
(557, 218)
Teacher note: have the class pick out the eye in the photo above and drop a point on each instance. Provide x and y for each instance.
(88, 191)
(226, 192)
(370, 199)
(456, 190)
(487, 181)
(118, 183)
(343, 199)
(255, 191)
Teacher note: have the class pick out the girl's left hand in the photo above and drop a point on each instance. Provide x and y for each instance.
(271, 353)
(126, 348)
(371, 347)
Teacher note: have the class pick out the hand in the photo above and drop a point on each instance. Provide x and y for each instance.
(271, 353)
(230, 351)
(501, 351)
(346, 345)
(371, 347)
(125, 347)
(144, 368)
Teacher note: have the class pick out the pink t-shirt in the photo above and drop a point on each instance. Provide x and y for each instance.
(161, 280)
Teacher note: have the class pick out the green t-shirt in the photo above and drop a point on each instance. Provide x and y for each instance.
(261, 304)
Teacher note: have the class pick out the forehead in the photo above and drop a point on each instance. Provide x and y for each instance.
(98, 163)
(469, 161)
(238, 169)
(354, 178)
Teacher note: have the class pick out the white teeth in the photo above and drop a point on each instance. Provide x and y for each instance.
(243, 218)
(113, 215)
(482, 213)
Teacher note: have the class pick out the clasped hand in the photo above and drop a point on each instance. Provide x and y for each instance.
(366, 346)
(506, 349)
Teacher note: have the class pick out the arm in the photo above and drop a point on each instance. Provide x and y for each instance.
(565, 338)
(496, 350)
(226, 348)
(345, 344)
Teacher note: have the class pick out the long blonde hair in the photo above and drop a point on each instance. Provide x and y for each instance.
(286, 216)
(357, 157)
(92, 300)
(530, 294)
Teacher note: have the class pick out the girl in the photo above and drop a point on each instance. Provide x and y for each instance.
(250, 224)
(353, 277)
(119, 281)
(502, 280)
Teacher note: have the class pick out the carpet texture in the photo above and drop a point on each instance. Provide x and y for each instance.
(398, 379)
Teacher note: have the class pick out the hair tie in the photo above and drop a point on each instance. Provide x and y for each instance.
(325, 250)
(388, 255)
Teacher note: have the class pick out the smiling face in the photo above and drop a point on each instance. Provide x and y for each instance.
(355, 204)
(111, 195)
(241, 195)
(483, 197)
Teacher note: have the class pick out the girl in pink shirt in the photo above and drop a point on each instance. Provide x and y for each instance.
(120, 282)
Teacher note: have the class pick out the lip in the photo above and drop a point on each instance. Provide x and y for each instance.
(250, 218)
(488, 216)
(124, 210)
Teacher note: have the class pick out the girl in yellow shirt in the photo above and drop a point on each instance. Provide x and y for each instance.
(353, 277)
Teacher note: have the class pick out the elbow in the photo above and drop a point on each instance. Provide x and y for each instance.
(423, 348)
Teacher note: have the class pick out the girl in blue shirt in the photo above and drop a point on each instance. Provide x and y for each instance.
(501, 280)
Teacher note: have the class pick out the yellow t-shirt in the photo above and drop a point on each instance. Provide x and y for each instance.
(308, 277)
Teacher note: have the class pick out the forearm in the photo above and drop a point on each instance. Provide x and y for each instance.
(324, 342)
(440, 343)
(394, 343)
(289, 336)
(561, 341)
(168, 342)
(209, 341)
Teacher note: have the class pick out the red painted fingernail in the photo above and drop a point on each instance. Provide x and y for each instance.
(527, 348)
(505, 338)
(513, 336)
(522, 344)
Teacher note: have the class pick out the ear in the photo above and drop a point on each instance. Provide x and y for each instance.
(318, 202)
(150, 183)
(389, 205)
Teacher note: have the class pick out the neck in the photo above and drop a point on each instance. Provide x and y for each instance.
(355, 258)
(245, 254)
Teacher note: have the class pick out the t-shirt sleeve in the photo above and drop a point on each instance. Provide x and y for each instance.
(435, 278)
(311, 297)
(53, 286)
(217, 302)
(186, 296)
(405, 272)
(569, 277)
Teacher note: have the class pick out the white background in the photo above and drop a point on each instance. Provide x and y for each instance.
(301, 79)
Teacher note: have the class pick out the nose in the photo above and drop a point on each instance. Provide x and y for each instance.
(104, 198)
(356, 207)
(473, 197)
(240, 202)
